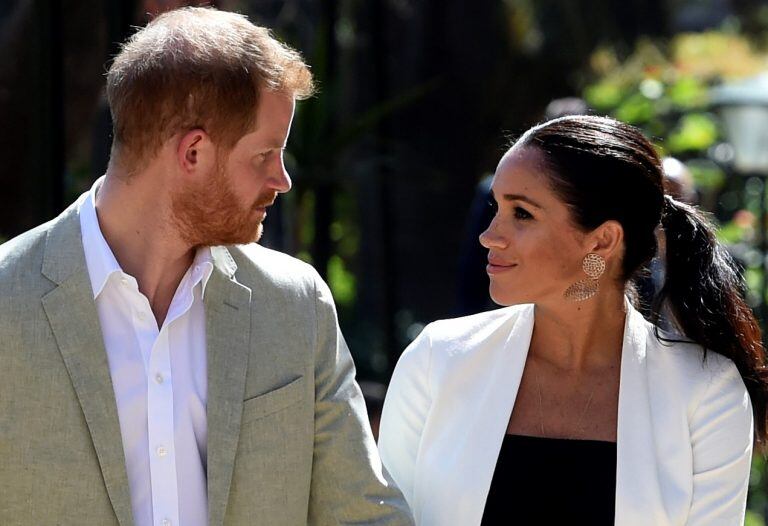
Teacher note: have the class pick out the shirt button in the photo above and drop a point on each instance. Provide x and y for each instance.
(159, 378)
(166, 522)
(161, 451)
(124, 281)
(141, 316)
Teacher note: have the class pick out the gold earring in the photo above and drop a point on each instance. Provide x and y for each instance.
(594, 266)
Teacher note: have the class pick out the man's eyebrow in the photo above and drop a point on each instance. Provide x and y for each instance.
(519, 197)
(269, 148)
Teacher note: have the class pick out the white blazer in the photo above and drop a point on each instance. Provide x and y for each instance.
(684, 432)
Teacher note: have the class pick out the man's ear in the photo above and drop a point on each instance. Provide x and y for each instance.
(195, 152)
(607, 240)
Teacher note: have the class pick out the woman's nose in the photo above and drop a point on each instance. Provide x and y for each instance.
(490, 239)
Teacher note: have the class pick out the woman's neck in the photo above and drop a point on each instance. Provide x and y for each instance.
(580, 336)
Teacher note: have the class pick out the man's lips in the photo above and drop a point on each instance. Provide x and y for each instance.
(265, 202)
(263, 205)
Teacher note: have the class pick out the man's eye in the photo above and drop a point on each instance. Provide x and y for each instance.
(522, 213)
(494, 205)
(261, 158)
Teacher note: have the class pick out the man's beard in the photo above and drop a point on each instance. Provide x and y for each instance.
(211, 214)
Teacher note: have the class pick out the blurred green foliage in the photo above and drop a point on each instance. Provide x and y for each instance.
(345, 235)
(662, 86)
(758, 497)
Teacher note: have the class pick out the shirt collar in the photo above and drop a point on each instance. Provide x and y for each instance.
(202, 268)
(101, 261)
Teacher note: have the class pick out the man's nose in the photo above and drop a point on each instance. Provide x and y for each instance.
(281, 182)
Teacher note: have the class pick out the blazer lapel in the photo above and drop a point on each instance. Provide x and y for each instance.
(74, 321)
(228, 327)
(489, 409)
(638, 496)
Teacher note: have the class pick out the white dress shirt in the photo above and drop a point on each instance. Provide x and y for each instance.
(160, 382)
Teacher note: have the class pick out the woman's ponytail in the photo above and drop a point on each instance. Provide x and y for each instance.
(704, 291)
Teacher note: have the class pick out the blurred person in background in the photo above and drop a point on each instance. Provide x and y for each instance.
(568, 407)
(678, 182)
(158, 366)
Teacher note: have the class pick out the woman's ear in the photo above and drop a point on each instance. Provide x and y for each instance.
(607, 240)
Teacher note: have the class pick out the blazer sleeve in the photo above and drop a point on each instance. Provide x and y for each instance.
(348, 485)
(405, 411)
(721, 441)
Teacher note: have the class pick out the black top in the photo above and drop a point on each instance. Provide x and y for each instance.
(552, 481)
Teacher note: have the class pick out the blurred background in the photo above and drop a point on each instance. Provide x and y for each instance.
(418, 100)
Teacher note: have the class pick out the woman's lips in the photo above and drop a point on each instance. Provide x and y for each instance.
(498, 268)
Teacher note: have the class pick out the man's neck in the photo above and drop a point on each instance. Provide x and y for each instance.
(134, 220)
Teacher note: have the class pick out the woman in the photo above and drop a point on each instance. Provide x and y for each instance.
(568, 407)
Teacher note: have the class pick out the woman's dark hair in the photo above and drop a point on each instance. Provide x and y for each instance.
(604, 170)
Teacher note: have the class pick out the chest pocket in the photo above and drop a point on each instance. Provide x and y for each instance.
(273, 401)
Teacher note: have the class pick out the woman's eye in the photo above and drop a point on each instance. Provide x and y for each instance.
(522, 213)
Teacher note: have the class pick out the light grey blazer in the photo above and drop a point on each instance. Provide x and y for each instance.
(288, 438)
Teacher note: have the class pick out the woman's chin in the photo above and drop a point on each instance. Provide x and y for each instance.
(507, 298)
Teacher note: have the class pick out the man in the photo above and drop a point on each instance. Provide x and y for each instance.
(156, 366)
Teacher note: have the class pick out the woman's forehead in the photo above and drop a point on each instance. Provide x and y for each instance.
(521, 169)
(524, 156)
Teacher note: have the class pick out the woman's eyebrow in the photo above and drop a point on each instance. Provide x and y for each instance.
(520, 197)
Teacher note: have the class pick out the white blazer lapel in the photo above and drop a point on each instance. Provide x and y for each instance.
(491, 425)
(638, 497)
(482, 395)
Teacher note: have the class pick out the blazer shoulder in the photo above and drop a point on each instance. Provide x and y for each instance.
(23, 253)
(483, 323)
(470, 335)
(257, 265)
(689, 366)
(686, 354)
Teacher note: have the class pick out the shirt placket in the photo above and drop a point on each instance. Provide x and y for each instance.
(162, 455)
(160, 423)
